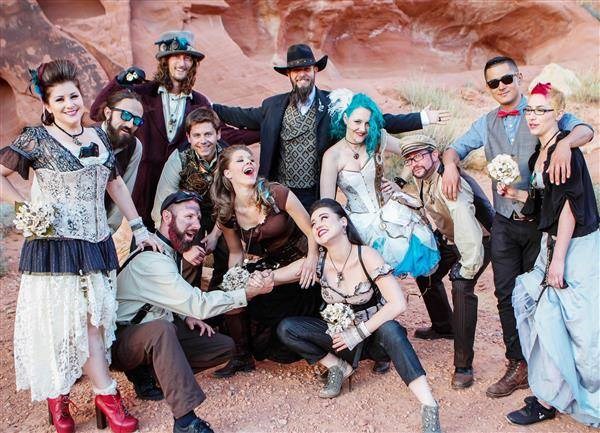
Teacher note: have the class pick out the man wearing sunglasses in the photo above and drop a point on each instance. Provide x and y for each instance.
(515, 240)
(167, 99)
(121, 118)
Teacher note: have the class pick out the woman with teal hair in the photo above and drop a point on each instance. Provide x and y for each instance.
(386, 218)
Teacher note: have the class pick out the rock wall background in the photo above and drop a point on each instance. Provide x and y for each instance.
(373, 45)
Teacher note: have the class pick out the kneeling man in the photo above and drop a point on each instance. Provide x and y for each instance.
(159, 315)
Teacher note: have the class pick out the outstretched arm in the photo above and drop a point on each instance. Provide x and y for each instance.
(249, 118)
(294, 208)
(329, 173)
(559, 169)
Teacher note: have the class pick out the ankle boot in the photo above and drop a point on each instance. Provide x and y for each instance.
(59, 415)
(238, 326)
(430, 419)
(111, 408)
(335, 379)
(514, 378)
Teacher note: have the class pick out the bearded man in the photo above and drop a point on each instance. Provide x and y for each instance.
(167, 100)
(295, 126)
(159, 319)
(121, 117)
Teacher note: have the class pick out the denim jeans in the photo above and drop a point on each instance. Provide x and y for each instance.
(307, 337)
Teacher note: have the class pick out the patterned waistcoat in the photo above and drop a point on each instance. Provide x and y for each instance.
(297, 165)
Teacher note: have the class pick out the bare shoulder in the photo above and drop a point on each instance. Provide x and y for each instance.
(371, 258)
(333, 152)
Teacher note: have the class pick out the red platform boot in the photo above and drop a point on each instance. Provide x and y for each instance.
(111, 408)
(59, 415)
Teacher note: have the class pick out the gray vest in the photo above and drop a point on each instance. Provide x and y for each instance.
(297, 165)
(521, 151)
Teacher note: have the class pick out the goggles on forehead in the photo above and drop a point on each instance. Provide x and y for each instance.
(175, 44)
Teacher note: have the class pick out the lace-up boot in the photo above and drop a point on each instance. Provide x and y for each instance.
(59, 415)
(430, 419)
(111, 408)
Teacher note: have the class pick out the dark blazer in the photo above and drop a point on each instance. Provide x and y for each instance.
(153, 135)
(268, 117)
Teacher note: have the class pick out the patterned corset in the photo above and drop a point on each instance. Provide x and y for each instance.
(78, 197)
(359, 188)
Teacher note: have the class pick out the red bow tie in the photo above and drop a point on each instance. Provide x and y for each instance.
(502, 114)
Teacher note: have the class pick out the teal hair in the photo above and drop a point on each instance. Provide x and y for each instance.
(338, 127)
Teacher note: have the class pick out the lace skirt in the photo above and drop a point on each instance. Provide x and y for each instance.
(51, 337)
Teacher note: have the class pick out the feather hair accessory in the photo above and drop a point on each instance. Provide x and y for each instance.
(35, 82)
(339, 99)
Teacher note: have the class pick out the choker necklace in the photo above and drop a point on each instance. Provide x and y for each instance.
(340, 273)
(355, 154)
(73, 136)
(551, 138)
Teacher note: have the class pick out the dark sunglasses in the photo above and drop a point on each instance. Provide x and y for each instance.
(127, 116)
(506, 79)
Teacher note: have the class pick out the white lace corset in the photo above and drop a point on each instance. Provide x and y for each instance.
(359, 188)
(78, 197)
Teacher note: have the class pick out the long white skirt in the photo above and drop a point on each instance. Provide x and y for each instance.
(51, 338)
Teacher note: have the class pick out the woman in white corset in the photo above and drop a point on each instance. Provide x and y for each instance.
(386, 218)
(66, 309)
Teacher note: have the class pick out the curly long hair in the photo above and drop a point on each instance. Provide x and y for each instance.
(163, 78)
(338, 127)
(223, 194)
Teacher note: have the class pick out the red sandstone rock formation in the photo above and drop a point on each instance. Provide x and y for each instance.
(372, 44)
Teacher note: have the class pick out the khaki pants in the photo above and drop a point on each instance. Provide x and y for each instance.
(176, 353)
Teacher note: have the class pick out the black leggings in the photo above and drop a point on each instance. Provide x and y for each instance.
(307, 337)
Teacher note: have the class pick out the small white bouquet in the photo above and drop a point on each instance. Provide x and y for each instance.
(235, 278)
(34, 220)
(504, 169)
(338, 317)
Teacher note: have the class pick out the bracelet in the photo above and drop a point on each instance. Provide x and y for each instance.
(362, 330)
(136, 224)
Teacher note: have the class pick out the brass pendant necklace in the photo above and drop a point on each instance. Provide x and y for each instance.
(340, 273)
(74, 137)
(355, 154)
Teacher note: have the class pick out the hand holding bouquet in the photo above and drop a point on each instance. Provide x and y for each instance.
(504, 169)
(235, 278)
(338, 317)
(34, 220)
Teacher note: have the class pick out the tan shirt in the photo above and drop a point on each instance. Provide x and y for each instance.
(153, 278)
(167, 184)
(455, 220)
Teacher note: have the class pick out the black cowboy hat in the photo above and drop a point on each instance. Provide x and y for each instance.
(301, 56)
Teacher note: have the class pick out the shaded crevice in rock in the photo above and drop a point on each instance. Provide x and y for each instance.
(59, 11)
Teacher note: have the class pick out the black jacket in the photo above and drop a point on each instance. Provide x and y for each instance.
(267, 119)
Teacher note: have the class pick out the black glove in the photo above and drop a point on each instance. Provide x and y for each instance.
(132, 75)
(455, 273)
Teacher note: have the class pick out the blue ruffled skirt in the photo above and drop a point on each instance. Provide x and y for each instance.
(560, 333)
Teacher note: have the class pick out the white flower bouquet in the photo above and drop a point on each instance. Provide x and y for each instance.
(504, 169)
(338, 317)
(34, 219)
(235, 278)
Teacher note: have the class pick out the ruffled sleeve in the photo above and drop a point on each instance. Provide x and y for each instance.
(382, 271)
(20, 155)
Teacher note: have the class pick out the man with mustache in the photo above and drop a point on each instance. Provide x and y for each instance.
(121, 117)
(167, 99)
(160, 315)
(294, 126)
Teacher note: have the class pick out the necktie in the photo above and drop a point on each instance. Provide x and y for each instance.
(502, 114)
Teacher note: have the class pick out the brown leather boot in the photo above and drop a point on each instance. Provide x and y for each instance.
(514, 378)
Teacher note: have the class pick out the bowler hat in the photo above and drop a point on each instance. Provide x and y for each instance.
(177, 42)
(415, 143)
(179, 197)
(301, 56)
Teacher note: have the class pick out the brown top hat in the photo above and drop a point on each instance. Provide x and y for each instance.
(301, 56)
